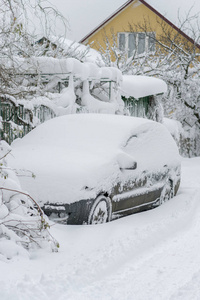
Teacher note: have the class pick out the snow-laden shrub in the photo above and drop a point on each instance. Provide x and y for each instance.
(22, 223)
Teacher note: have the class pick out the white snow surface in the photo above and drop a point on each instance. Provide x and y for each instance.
(139, 86)
(174, 127)
(70, 152)
(150, 255)
(94, 105)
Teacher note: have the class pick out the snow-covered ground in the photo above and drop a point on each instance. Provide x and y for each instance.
(151, 255)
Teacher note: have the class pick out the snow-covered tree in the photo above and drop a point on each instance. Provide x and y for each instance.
(21, 22)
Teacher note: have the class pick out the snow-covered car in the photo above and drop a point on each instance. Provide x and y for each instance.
(93, 168)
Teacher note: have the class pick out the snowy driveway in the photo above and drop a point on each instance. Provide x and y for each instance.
(151, 255)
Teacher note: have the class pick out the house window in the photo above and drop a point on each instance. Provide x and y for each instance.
(136, 42)
(131, 43)
(122, 41)
(141, 43)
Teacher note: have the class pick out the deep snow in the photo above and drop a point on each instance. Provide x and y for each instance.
(151, 255)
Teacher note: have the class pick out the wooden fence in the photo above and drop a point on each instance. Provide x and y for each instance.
(17, 121)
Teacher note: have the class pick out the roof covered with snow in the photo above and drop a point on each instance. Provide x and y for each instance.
(141, 86)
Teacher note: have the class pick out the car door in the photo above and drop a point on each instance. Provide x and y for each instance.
(139, 188)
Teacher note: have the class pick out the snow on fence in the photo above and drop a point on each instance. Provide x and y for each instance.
(66, 66)
(17, 121)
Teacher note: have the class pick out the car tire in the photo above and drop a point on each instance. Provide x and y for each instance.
(167, 192)
(101, 211)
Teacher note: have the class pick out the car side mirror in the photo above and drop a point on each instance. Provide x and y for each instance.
(126, 162)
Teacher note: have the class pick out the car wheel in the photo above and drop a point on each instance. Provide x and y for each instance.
(167, 192)
(100, 211)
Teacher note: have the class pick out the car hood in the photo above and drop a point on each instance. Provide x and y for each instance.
(78, 175)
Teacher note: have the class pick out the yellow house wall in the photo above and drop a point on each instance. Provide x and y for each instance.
(135, 13)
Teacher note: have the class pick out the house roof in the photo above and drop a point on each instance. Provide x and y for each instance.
(149, 4)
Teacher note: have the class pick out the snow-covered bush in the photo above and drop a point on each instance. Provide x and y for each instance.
(182, 103)
(22, 223)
